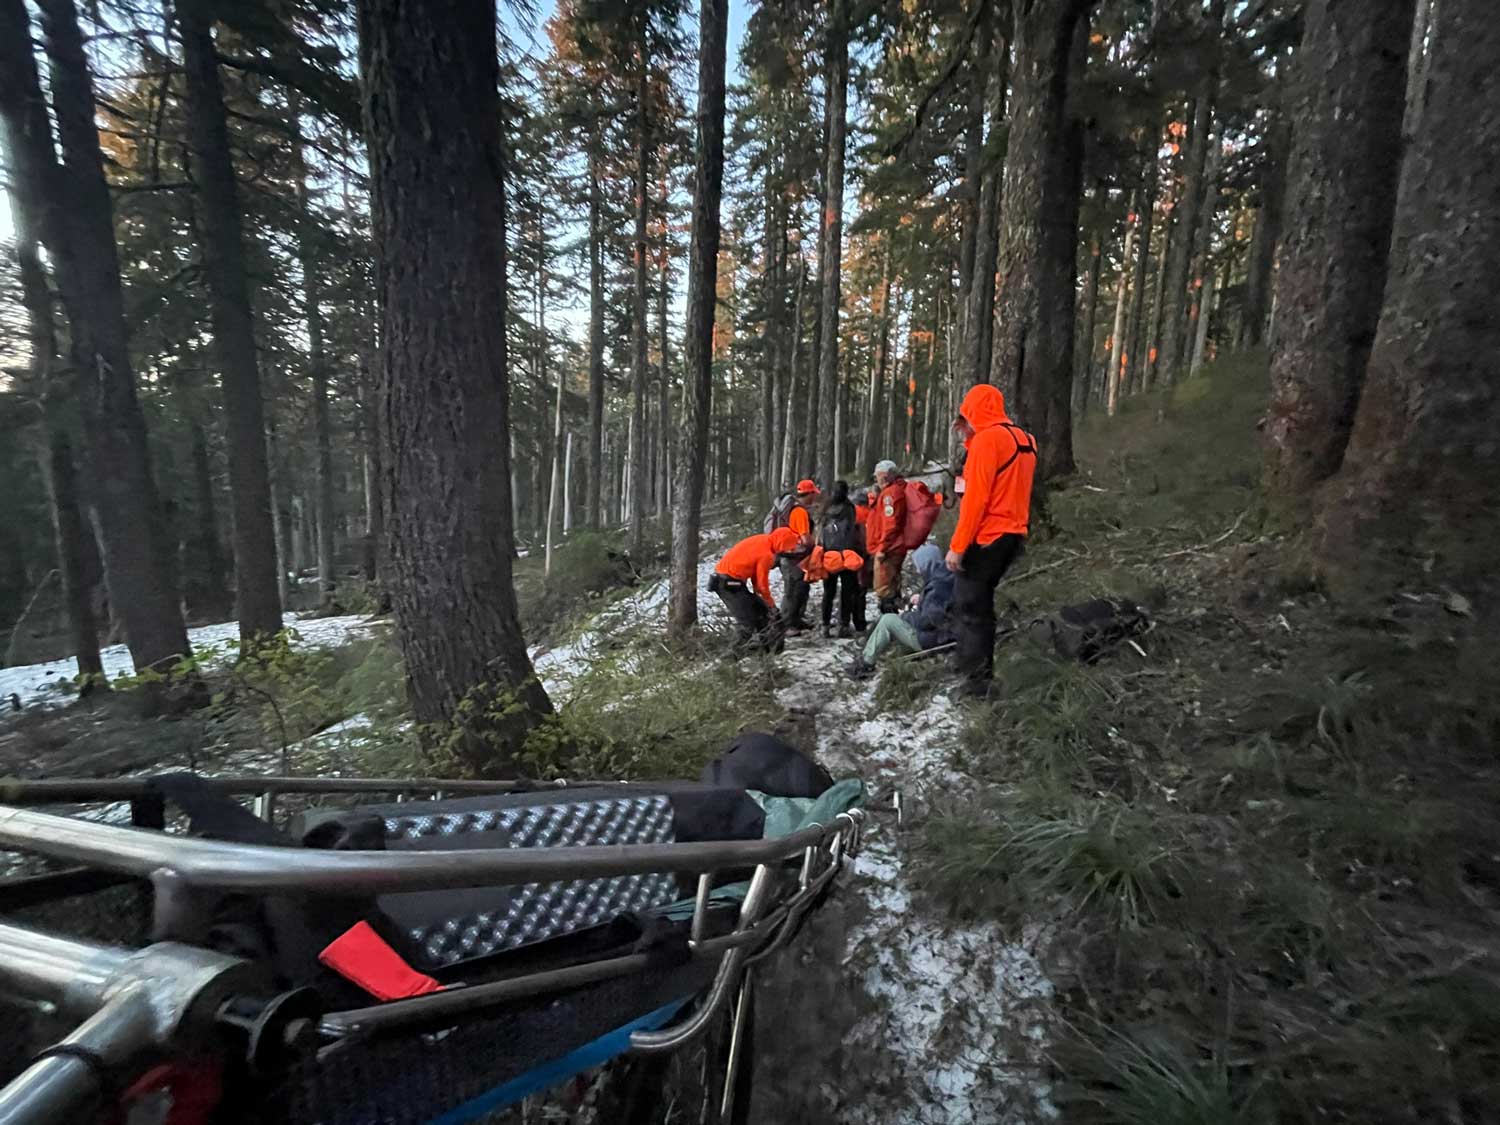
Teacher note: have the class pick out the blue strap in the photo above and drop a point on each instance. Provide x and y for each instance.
(550, 1074)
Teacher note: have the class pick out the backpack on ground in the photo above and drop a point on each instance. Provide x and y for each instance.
(760, 761)
(922, 509)
(780, 514)
(1087, 631)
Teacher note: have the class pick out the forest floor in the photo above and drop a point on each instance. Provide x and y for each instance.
(1245, 871)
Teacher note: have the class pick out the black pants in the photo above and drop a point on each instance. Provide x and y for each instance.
(793, 593)
(752, 617)
(974, 603)
(851, 595)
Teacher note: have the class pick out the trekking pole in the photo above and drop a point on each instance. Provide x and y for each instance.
(927, 652)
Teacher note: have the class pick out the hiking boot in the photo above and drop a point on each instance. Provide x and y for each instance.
(859, 670)
(827, 631)
(975, 689)
(844, 633)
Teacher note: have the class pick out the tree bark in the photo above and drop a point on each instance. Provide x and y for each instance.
(317, 370)
(206, 583)
(664, 385)
(374, 476)
(445, 385)
(68, 525)
(1419, 473)
(1342, 184)
(979, 291)
(836, 86)
(76, 223)
(639, 443)
(974, 172)
(1134, 344)
(593, 509)
(1039, 228)
(789, 430)
(703, 261)
(1115, 371)
(1268, 220)
(1179, 261)
(257, 598)
(870, 432)
(1084, 378)
(1151, 346)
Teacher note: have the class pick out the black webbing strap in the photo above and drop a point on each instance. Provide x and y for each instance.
(215, 816)
(1028, 447)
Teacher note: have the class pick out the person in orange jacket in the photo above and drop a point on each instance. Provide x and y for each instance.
(799, 518)
(742, 580)
(993, 517)
(885, 532)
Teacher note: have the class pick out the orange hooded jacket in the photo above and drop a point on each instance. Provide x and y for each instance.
(997, 473)
(750, 560)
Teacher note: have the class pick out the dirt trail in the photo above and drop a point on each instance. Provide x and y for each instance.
(925, 1022)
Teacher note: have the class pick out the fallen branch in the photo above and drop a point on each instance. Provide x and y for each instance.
(1034, 571)
(1212, 542)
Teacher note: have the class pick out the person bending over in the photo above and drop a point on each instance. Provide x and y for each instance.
(742, 580)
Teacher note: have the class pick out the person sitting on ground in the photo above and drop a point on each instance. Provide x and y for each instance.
(793, 582)
(839, 530)
(885, 532)
(927, 625)
(742, 580)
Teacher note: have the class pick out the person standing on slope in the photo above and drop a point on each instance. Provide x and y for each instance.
(743, 582)
(885, 533)
(993, 518)
(839, 530)
(795, 512)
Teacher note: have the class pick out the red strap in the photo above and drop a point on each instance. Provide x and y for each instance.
(361, 955)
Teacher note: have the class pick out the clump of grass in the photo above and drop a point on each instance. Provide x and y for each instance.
(906, 684)
(1146, 1080)
(1100, 860)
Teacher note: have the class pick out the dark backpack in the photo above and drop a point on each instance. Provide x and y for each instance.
(780, 514)
(839, 528)
(763, 762)
(1085, 632)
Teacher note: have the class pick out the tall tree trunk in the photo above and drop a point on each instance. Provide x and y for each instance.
(446, 388)
(1115, 371)
(257, 598)
(374, 478)
(1417, 59)
(789, 430)
(317, 369)
(1419, 473)
(979, 310)
(771, 289)
(870, 433)
(1175, 329)
(974, 170)
(1342, 183)
(1150, 346)
(698, 357)
(1039, 227)
(1084, 377)
(1268, 220)
(593, 509)
(206, 584)
(664, 385)
(1135, 345)
(1201, 321)
(836, 86)
(639, 457)
(72, 207)
(69, 527)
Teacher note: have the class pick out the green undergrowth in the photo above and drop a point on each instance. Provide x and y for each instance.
(1265, 841)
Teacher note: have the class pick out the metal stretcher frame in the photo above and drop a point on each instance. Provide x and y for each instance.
(131, 1000)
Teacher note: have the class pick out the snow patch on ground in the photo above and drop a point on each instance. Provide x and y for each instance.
(46, 683)
(959, 1021)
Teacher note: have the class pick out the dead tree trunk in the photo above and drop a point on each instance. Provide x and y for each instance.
(1115, 372)
(257, 597)
(446, 388)
(1268, 220)
(77, 225)
(1039, 228)
(1342, 183)
(1419, 473)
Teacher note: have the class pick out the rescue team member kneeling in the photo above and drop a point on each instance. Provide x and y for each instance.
(993, 517)
(743, 582)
